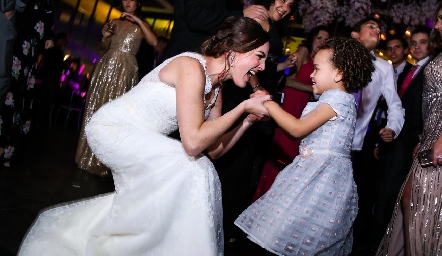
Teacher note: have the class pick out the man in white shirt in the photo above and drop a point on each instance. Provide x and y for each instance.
(367, 32)
(397, 51)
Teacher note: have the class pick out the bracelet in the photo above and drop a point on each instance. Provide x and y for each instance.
(248, 120)
(255, 86)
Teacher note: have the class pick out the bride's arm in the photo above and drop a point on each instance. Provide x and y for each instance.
(229, 139)
(187, 76)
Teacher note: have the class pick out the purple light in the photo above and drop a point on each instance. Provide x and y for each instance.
(63, 77)
(95, 60)
(430, 23)
(81, 69)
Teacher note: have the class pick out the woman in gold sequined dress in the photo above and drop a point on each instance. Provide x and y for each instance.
(115, 74)
(415, 228)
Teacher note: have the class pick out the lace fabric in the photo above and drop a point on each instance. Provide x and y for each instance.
(166, 202)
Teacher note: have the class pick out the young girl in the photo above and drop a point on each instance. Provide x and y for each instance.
(311, 206)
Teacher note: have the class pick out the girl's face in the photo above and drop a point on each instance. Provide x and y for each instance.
(438, 25)
(280, 9)
(129, 5)
(247, 64)
(325, 76)
(319, 40)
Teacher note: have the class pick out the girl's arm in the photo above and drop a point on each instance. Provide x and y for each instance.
(187, 76)
(148, 34)
(303, 126)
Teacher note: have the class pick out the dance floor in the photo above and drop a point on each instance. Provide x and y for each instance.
(47, 175)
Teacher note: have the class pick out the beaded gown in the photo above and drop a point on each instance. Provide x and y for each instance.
(426, 206)
(166, 202)
(311, 206)
(115, 74)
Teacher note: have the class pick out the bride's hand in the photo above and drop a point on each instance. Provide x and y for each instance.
(255, 105)
(259, 93)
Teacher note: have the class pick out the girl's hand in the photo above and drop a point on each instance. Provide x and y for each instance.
(255, 106)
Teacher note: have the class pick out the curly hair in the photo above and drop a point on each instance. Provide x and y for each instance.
(352, 59)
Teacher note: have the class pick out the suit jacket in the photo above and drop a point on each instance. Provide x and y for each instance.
(194, 22)
(412, 103)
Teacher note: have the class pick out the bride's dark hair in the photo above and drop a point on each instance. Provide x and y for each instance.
(238, 34)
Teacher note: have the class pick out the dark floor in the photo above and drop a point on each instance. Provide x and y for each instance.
(47, 175)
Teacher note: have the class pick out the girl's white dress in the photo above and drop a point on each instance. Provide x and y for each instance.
(311, 206)
(166, 202)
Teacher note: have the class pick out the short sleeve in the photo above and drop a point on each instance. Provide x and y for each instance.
(341, 102)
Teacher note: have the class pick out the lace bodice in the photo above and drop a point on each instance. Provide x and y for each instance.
(152, 104)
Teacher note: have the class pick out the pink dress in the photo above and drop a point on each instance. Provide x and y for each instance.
(284, 149)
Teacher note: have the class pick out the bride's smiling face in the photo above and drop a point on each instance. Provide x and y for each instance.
(247, 64)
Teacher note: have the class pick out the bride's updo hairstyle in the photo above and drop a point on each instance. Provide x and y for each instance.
(238, 34)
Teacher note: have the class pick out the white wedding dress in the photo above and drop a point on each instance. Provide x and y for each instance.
(166, 203)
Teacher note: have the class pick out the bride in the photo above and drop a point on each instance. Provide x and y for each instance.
(168, 196)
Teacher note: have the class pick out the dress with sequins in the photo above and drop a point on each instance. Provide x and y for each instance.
(115, 74)
(426, 193)
(166, 202)
(311, 206)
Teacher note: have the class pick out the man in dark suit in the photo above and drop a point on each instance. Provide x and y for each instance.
(395, 158)
(397, 51)
(196, 20)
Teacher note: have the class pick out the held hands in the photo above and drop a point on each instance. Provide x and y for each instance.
(387, 134)
(256, 12)
(255, 106)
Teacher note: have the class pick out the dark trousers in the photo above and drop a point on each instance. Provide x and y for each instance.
(364, 172)
(395, 160)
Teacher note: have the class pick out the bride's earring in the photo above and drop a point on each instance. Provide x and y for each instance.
(232, 58)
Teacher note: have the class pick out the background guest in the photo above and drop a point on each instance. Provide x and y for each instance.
(50, 70)
(8, 33)
(395, 158)
(196, 20)
(414, 227)
(367, 32)
(148, 56)
(115, 73)
(33, 27)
